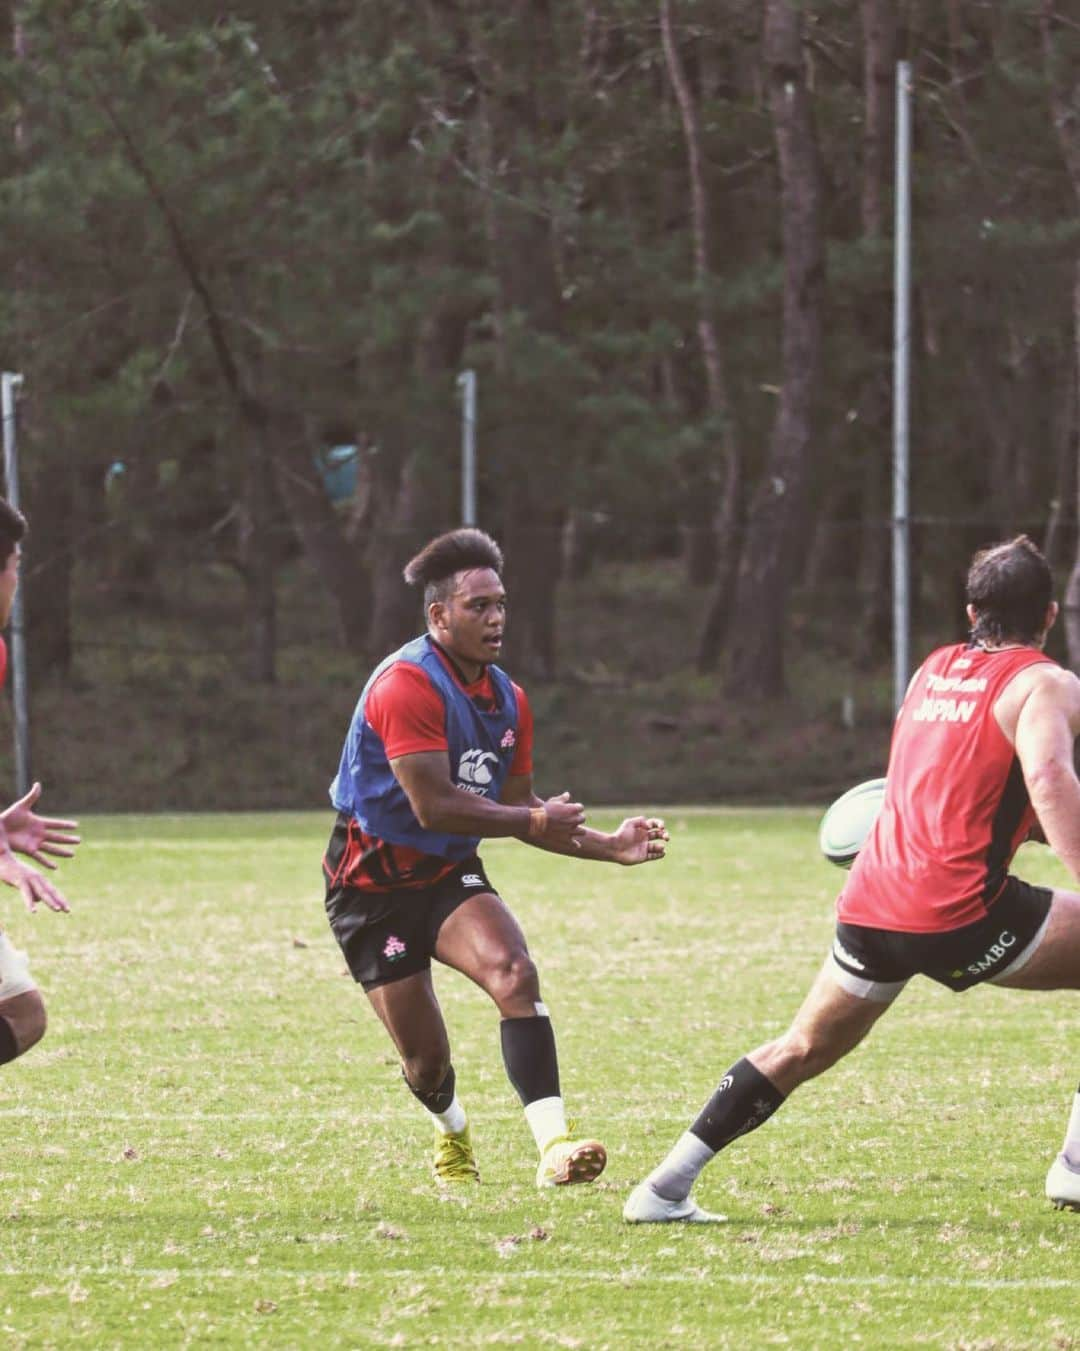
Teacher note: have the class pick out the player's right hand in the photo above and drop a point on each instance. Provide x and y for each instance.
(34, 887)
(566, 821)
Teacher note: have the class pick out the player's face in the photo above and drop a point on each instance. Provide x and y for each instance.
(470, 624)
(9, 580)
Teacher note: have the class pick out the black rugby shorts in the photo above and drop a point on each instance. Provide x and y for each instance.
(957, 958)
(388, 935)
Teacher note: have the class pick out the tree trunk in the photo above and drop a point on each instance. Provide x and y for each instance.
(402, 527)
(712, 543)
(336, 561)
(533, 564)
(1072, 593)
(1060, 51)
(521, 109)
(47, 572)
(779, 508)
(1066, 443)
(259, 556)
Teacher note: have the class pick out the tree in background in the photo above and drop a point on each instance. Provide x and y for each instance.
(776, 525)
(243, 236)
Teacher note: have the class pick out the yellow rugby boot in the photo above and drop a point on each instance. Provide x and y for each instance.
(566, 1160)
(454, 1161)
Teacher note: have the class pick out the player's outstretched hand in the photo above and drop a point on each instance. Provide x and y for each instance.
(640, 839)
(35, 888)
(37, 836)
(565, 824)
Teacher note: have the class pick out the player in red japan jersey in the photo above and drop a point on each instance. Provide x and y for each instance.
(22, 1010)
(438, 756)
(981, 760)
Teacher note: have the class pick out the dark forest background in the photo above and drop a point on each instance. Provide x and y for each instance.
(248, 249)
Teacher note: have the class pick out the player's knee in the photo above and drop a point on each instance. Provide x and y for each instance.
(514, 979)
(22, 1024)
(427, 1070)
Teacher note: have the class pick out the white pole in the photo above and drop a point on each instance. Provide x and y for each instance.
(901, 388)
(9, 383)
(467, 384)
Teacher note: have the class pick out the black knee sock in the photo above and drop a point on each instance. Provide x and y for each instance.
(438, 1100)
(9, 1047)
(743, 1100)
(528, 1047)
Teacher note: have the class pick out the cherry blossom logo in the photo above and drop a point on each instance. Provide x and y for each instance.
(509, 740)
(394, 949)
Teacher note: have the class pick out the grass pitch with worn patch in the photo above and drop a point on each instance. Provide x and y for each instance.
(213, 1146)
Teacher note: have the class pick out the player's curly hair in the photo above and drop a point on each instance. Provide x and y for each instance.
(12, 529)
(438, 562)
(1009, 587)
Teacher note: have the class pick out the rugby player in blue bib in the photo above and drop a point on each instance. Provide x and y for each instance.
(438, 756)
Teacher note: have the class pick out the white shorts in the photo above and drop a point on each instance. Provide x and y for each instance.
(15, 977)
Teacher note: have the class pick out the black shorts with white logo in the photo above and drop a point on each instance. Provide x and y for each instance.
(388, 935)
(958, 958)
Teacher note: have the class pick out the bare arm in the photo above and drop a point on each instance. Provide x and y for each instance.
(439, 804)
(1046, 728)
(640, 839)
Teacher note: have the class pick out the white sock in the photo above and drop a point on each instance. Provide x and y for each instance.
(453, 1120)
(547, 1120)
(673, 1178)
(1071, 1147)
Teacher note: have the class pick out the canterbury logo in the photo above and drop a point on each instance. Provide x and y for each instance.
(475, 767)
(472, 880)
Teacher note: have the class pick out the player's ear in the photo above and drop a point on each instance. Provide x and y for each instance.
(436, 613)
(1051, 615)
(971, 615)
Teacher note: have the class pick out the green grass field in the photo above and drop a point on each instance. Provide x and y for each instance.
(212, 1147)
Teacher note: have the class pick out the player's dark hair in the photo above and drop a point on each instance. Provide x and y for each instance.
(1009, 587)
(439, 561)
(12, 529)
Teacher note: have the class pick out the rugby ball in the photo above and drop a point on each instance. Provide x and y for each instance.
(846, 825)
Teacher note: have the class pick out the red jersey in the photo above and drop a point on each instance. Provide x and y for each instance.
(408, 714)
(956, 806)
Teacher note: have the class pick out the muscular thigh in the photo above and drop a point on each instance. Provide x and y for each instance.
(1054, 964)
(480, 935)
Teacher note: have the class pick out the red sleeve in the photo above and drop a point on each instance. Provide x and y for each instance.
(406, 711)
(522, 762)
(3, 662)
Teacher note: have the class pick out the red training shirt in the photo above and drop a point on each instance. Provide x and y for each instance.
(956, 806)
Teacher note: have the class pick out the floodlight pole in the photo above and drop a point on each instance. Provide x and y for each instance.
(11, 381)
(467, 384)
(901, 522)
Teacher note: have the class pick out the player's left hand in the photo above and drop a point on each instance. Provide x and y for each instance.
(640, 839)
(35, 835)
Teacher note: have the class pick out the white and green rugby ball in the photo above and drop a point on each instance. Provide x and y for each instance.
(847, 824)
